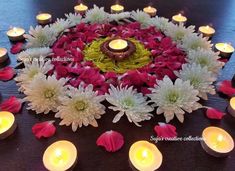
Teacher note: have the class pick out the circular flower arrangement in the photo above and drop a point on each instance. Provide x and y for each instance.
(66, 71)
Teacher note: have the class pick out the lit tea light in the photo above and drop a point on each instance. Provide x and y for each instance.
(3, 55)
(44, 18)
(145, 156)
(7, 124)
(217, 142)
(61, 155)
(231, 106)
(177, 19)
(150, 11)
(225, 49)
(16, 34)
(117, 8)
(207, 31)
(118, 45)
(81, 9)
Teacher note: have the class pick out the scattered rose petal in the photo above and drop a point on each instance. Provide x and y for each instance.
(44, 129)
(213, 113)
(165, 130)
(111, 140)
(16, 48)
(7, 74)
(226, 88)
(12, 105)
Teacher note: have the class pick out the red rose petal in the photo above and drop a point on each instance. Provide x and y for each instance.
(12, 105)
(111, 140)
(17, 48)
(226, 88)
(7, 74)
(44, 129)
(165, 130)
(212, 113)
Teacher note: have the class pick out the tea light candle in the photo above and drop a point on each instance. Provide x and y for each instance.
(117, 8)
(225, 49)
(231, 106)
(177, 19)
(3, 55)
(145, 156)
(118, 45)
(217, 142)
(61, 155)
(207, 31)
(150, 11)
(44, 18)
(7, 124)
(80, 9)
(16, 34)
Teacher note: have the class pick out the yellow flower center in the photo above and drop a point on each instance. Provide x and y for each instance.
(49, 93)
(80, 105)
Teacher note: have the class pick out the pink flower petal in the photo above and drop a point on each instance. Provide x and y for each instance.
(213, 113)
(7, 74)
(12, 105)
(226, 88)
(111, 140)
(44, 129)
(165, 130)
(17, 48)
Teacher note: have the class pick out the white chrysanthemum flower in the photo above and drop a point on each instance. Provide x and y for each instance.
(128, 101)
(44, 93)
(40, 37)
(60, 26)
(200, 78)
(81, 106)
(194, 42)
(96, 15)
(205, 58)
(142, 17)
(34, 53)
(31, 69)
(119, 16)
(178, 32)
(74, 19)
(174, 99)
(160, 23)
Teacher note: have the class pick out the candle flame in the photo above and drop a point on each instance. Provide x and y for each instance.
(58, 153)
(179, 15)
(145, 154)
(220, 138)
(14, 29)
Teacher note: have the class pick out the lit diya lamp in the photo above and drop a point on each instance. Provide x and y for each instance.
(225, 49)
(231, 106)
(217, 142)
(7, 124)
(145, 156)
(44, 18)
(206, 31)
(117, 9)
(81, 9)
(16, 34)
(150, 11)
(178, 19)
(61, 155)
(3, 55)
(118, 45)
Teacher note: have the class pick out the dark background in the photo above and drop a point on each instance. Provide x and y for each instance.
(23, 152)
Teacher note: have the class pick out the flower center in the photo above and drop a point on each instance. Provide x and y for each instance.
(32, 73)
(195, 45)
(49, 93)
(128, 102)
(173, 96)
(202, 61)
(80, 105)
(195, 81)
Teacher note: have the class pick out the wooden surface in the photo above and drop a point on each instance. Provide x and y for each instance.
(23, 152)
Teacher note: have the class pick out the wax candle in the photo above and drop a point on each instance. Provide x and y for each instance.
(145, 156)
(80, 9)
(231, 107)
(3, 55)
(177, 19)
(16, 34)
(44, 18)
(217, 142)
(118, 45)
(59, 156)
(150, 10)
(225, 49)
(117, 8)
(206, 31)
(7, 124)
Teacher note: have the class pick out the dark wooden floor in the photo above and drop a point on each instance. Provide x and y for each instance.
(23, 152)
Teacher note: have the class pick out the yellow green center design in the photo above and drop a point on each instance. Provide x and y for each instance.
(140, 58)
